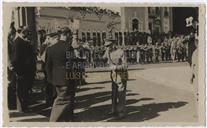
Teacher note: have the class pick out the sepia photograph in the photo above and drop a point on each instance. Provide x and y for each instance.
(127, 64)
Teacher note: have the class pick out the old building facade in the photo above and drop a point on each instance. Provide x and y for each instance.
(147, 19)
(90, 22)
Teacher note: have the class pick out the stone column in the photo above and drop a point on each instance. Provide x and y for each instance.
(171, 18)
(123, 22)
(146, 20)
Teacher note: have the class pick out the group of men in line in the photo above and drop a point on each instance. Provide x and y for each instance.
(170, 49)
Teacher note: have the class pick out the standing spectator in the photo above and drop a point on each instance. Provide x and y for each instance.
(168, 47)
(134, 55)
(157, 52)
(138, 53)
(11, 73)
(191, 47)
(145, 53)
(42, 36)
(179, 49)
(11, 38)
(173, 49)
(163, 51)
(149, 53)
(24, 66)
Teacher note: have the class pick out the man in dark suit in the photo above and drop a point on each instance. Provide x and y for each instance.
(62, 109)
(24, 66)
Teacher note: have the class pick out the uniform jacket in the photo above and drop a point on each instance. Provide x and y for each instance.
(118, 64)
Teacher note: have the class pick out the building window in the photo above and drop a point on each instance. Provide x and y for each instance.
(152, 10)
(130, 39)
(88, 36)
(157, 10)
(166, 13)
(125, 38)
(150, 27)
(103, 36)
(120, 38)
(135, 24)
(83, 37)
(94, 39)
(116, 37)
(99, 39)
(149, 10)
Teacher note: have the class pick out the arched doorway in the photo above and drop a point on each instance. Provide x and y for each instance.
(135, 24)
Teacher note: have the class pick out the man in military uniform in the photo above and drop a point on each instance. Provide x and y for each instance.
(62, 109)
(119, 75)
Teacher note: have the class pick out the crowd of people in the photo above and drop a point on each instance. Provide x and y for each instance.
(164, 48)
(52, 49)
(169, 49)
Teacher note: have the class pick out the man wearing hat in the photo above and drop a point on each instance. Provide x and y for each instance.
(119, 75)
(62, 109)
(51, 39)
(24, 65)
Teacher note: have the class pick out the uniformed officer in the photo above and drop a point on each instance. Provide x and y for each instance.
(119, 75)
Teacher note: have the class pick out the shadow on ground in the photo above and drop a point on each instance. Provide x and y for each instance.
(42, 119)
(91, 113)
(105, 82)
(133, 113)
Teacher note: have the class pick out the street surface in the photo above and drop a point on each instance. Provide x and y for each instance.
(155, 93)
